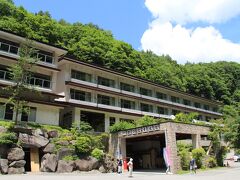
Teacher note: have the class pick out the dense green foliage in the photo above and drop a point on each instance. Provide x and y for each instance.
(97, 153)
(198, 154)
(8, 138)
(88, 42)
(121, 125)
(184, 154)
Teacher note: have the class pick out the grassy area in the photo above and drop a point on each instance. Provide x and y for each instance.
(198, 170)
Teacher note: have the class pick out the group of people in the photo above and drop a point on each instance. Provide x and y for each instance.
(129, 164)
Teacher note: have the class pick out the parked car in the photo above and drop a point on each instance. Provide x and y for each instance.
(236, 158)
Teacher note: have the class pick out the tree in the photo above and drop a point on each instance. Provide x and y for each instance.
(21, 75)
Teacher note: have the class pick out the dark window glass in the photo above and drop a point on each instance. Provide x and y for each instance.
(175, 112)
(4, 73)
(206, 107)
(146, 107)
(81, 76)
(107, 100)
(80, 95)
(208, 118)
(9, 112)
(186, 102)
(127, 87)
(175, 99)
(127, 104)
(161, 95)
(106, 82)
(112, 120)
(162, 110)
(197, 105)
(30, 116)
(146, 92)
(215, 109)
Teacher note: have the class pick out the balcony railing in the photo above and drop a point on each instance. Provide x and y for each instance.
(9, 48)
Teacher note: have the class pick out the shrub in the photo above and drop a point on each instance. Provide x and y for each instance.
(211, 162)
(185, 159)
(97, 153)
(6, 124)
(70, 158)
(85, 127)
(145, 121)
(121, 125)
(8, 138)
(83, 145)
(198, 154)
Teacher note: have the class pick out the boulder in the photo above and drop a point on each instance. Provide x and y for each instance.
(15, 154)
(30, 141)
(18, 164)
(13, 170)
(3, 166)
(49, 163)
(65, 152)
(37, 132)
(53, 134)
(4, 151)
(49, 148)
(87, 164)
(2, 129)
(102, 169)
(109, 164)
(65, 167)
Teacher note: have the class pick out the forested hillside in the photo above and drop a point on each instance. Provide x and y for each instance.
(88, 42)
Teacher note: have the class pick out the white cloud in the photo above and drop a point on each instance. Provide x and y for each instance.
(201, 44)
(183, 11)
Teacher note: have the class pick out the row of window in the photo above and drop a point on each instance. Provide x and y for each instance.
(6, 112)
(143, 91)
(13, 48)
(107, 100)
(39, 80)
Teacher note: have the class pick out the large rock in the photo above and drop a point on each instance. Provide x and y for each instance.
(4, 151)
(102, 169)
(65, 167)
(109, 164)
(37, 132)
(65, 152)
(2, 129)
(3, 166)
(32, 141)
(87, 164)
(49, 163)
(53, 134)
(13, 170)
(49, 148)
(15, 154)
(18, 164)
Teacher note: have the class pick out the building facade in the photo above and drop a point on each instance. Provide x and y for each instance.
(74, 90)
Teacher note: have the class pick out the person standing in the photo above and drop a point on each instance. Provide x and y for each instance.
(130, 166)
(119, 165)
(192, 165)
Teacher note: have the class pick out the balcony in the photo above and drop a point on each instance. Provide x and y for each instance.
(134, 94)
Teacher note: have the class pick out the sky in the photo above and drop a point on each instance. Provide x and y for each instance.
(187, 30)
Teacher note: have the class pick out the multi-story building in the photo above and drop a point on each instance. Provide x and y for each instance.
(74, 90)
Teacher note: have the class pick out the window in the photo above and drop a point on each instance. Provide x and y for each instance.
(197, 105)
(175, 99)
(80, 95)
(206, 107)
(200, 117)
(175, 112)
(127, 87)
(112, 120)
(186, 102)
(31, 116)
(215, 109)
(107, 100)
(208, 118)
(146, 92)
(8, 46)
(161, 95)
(8, 112)
(4, 73)
(40, 80)
(162, 110)
(146, 107)
(44, 56)
(106, 82)
(127, 104)
(81, 76)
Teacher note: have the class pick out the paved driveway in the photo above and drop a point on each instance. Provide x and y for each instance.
(232, 173)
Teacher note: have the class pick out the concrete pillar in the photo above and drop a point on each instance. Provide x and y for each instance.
(123, 150)
(171, 143)
(196, 139)
(107, 123)
(76, 116)
(54, 80)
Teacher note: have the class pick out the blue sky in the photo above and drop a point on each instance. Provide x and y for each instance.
(195, 31)
(127, 19)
